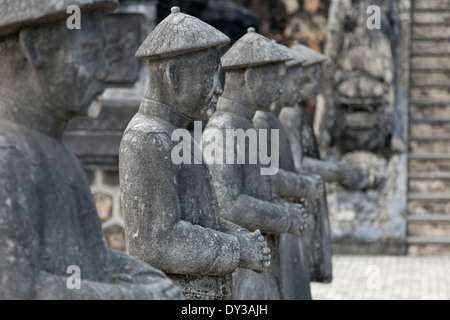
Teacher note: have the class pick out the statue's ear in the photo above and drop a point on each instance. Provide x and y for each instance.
(28, 45)
(250, 78)
(172, 74)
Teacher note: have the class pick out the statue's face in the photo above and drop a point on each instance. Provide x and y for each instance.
(292, 87)
(312, 82)
(74, 66)
(267, 86)
(199, 84)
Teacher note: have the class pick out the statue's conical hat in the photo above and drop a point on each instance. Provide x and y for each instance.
(178, 34)
(312, 56)
(252, 50)
(299, 59)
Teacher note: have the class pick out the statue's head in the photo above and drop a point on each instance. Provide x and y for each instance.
(264, 85)
(184, 62)
(256, 68)
(293, 82)
(64, 67)
(312, 82)
(312, 71)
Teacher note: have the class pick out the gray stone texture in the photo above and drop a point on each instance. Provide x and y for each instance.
(171, 212)
(363, 122)
(48, 219)
(253, 82)
(298, 137)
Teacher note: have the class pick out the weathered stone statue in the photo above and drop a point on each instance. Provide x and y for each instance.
(49, 226)
(299, 127)
(316, 240)
(255, 68)
(172, 218)
(362, 122)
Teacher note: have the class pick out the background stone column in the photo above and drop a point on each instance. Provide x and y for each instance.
(363, 121)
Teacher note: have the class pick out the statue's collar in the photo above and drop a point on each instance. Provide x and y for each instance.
(231, 106)
(165, 112)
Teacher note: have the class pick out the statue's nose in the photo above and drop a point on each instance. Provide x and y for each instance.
(218, 90)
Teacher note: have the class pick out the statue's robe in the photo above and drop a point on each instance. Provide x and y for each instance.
(49, 222)
(298, 127)
(245, 198)
(171, 213)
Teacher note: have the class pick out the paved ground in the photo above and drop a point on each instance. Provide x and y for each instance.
(386, 278)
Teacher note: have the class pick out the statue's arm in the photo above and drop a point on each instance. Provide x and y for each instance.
(156, 231)
(53, 287)
(239, 207)
(351, 179)
(329, 171)
(297, 185)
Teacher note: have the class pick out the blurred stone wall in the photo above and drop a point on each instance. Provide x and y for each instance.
(291, 20)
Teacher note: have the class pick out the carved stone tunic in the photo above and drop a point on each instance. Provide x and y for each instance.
(293, 252)
(298, 126)
(245, 198)
(171, 212)
(48, 222)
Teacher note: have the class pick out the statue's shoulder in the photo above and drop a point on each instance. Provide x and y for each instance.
(24, 144)
(149, 124)
(227, 120)
(291, 117)
(221, 119)
(266, 120)
(148, 133)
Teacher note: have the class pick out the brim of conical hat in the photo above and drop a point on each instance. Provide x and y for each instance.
(298, 58)
(311, 56)
(253, 50)
(179, 34)
(17, 14)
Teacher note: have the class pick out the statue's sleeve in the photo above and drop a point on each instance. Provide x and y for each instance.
(288, 184)
(156, 230)
(235, 205)
(290, 118)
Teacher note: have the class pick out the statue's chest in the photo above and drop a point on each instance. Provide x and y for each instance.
(254, 182)
(70, 228)
(197, 196)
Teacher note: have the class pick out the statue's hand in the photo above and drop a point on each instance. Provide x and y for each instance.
(255, 253)
(317, 188)
(354, 179)
(299, 219)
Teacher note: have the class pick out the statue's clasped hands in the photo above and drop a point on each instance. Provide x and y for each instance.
(255, 253)
(299, 219)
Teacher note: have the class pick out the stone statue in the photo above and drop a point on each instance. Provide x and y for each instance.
(316, 240)
(51, 242)
(172, 218)
(299, 127)
(362, 122)
(255, 69)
